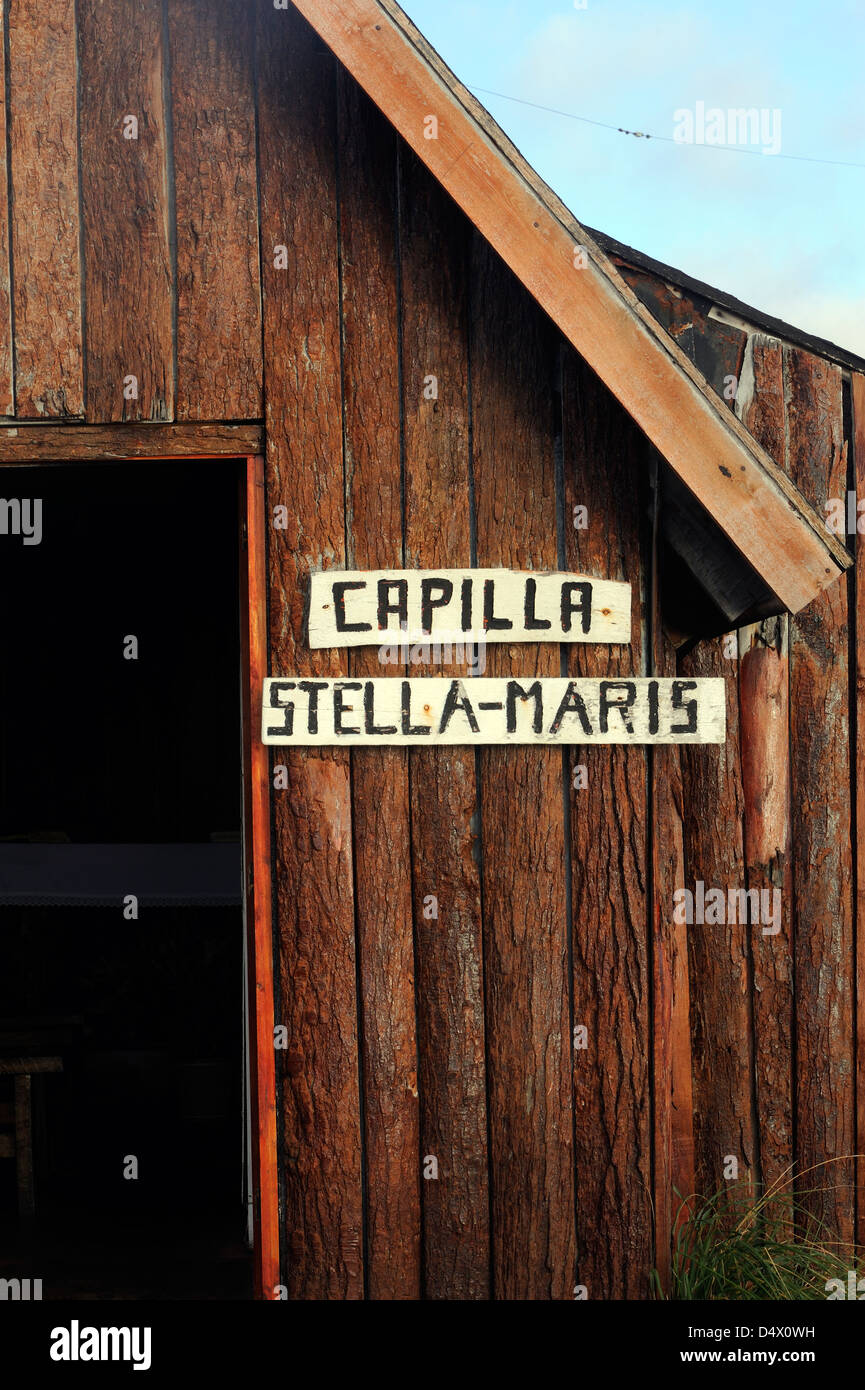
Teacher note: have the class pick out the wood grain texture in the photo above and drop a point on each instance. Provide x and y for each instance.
(380, 783)
(7, 392)
(765, 739)
(319, 1081)
(611, 1076)
(718, 954)
(259, 891)
(858, 411)
(219, 364)
(127, 211)
(434, 244)
(671, 1023)
(592, 305)
(823, 942)
(513, 359)
(45, 217)
(34, 443)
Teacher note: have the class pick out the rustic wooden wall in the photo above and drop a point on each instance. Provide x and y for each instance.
(451, 1035)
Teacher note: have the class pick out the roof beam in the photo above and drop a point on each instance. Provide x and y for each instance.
(723, 466)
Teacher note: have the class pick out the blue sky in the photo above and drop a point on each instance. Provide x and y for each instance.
(784, 236)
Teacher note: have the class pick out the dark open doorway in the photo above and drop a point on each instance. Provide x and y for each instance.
(122, 941)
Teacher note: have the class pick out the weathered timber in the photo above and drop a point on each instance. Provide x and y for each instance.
(219, 367)
(321, 1126)
(858, 762)
(822, 856)
(513, 357)
(434, 241)
(7, 394)
(43, 140)
(27, 444)
(765, 743)
(380, 790)
(673, 1137)
(718, 953)
(124, 181)
(611, 1074)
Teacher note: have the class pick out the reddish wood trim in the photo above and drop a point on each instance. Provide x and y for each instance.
(260, 955)
(731, 475)
(27, 444)
(858, 393)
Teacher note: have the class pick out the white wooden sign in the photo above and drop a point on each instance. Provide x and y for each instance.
(355, 608)
(435, 709)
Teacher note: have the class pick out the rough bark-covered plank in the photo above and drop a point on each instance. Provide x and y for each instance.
(824, 958)
(218, 285)
(673, 1089)
(719, 953)
(127, 212)
(7, 394)
(434, 240)
(321, 1128)
(765, 744)
(522, 813)
(45, 226)
(380, 788)
(858, 406)
(602, 457)
(30, 443)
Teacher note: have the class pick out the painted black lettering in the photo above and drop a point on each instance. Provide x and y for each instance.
(338, 707)
(491, 622)
(369, 727)
(455, 699)
(385, 607)
(572, 703)
(312, 688)
(408, 728)
(690, 706)
(339, 592)
(626, 688)
(516, 691)
(288, 709)
(532, 623)
(428, 603)
(583, 606)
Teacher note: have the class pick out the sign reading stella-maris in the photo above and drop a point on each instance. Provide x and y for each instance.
(437, 607)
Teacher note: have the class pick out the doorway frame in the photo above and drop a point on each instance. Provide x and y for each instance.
(28, 445)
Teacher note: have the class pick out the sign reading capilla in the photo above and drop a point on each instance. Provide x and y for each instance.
(351, 608)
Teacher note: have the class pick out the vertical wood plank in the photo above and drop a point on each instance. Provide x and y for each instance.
(380, 784)
(765, 744)
(822, 853)
(259, 888)
(718, 952)
(218, 285)
(45, 222)
(522, 810)
(671, 996)
(321, 1128)
(602, 454)
(7, 393)
(858, 402)
(434, 242)
(127, 212)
